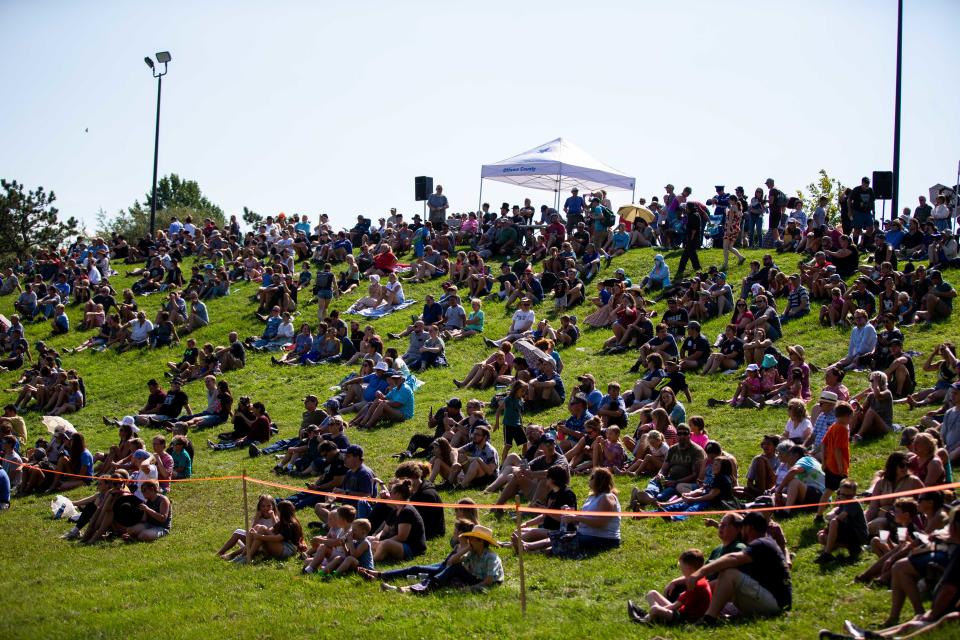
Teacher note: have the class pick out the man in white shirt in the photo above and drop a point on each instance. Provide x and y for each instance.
(140, 330)
(523, 320)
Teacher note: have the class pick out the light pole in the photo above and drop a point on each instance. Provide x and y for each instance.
(163, 57)
(895, 194)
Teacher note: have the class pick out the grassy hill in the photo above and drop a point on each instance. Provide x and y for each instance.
(178, 588)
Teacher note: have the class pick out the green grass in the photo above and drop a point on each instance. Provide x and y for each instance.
(178, 588)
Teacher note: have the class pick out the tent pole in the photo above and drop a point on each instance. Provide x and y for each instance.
(480, 199)
(559, 183)
(633, 194)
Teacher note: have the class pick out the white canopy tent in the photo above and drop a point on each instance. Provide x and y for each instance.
(557, 166)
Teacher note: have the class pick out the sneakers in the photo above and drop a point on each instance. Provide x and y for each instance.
(388, 587)
(395, 336)
(73, 534)
(636, 614)
(254, 451)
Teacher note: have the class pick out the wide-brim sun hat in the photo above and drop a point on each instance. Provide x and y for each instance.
(480, 532)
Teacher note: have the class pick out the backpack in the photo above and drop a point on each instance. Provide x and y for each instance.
(609, 219)
(780, 200)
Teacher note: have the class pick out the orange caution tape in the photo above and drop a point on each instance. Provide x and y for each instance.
(520, 509)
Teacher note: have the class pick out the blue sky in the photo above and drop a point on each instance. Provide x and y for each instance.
(335, 107)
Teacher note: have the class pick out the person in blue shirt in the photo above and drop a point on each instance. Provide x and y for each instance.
(342, 247)
(62, 286)
(573, 428)
(199, 317)
(362, 390)
(4, 490)
(721, 202)
(573, 207)
(588, 387)
(396, 405)
(61, 323)
(358, 481)
(546, 390)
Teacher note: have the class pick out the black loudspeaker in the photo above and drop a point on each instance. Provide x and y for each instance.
(422, 187)
(883, 185)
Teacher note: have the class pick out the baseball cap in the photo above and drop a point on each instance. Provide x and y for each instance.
(141, 454)
(693, 325)
(548, 439)
(753, 367)
(380, 366)
(587, 376)
(310, 398)
(355, 450)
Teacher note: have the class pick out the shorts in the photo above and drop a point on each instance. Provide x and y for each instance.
(407, 551)
(156, 530)
(862, 220)
(833, 480)
(847, 536)
(513, 434)
(922, 561)
(325, 294)
(813, 495)
(289, 549)
(752, 599)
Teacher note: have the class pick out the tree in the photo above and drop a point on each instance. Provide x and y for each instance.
(831, 188)
(29, 221)
(175, 197)
(252, 218)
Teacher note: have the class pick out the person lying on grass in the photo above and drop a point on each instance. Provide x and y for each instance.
(476, 569)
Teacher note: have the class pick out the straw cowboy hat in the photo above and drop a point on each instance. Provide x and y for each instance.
(480, 532)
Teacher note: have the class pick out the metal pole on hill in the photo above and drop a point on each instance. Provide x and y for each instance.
(896, 115)
(163, 57)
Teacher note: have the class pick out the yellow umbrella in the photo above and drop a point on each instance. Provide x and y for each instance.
(630, 212)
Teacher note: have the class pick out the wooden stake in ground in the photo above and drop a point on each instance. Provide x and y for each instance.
(523, 578)
(246, 505)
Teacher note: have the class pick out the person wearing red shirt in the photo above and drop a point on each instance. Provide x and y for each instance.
(384, 262)
(689, 607)
(836, 454)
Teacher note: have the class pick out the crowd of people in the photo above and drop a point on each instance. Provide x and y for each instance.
(640, 434)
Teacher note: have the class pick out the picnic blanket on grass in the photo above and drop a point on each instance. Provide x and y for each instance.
(382, 310)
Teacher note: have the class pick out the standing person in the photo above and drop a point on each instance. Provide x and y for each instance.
(691, 240)
(755, 211)
(836, 455)
(777, 201)
(731, 232)
(573, 208)
(437, 204)
(861, 202)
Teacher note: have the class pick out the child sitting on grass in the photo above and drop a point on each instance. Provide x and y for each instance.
(266, 516)
(325, 548)
(689, 607)
(846, 526)
(357, 551)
